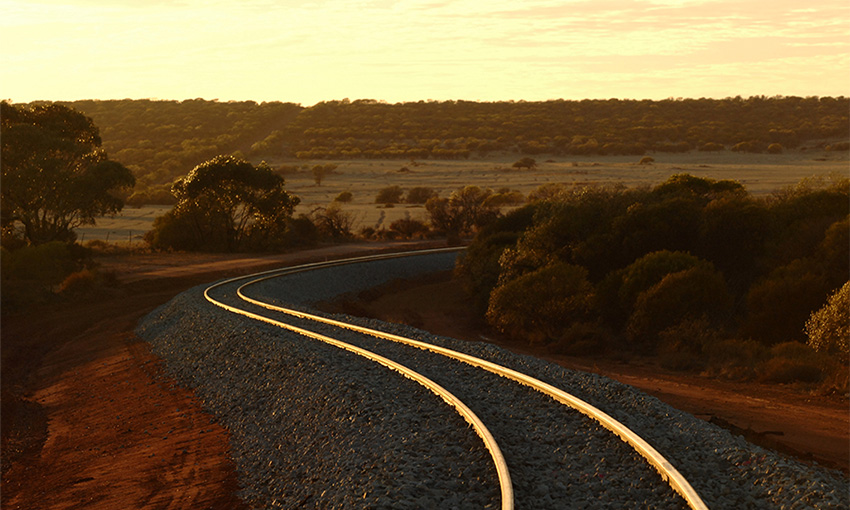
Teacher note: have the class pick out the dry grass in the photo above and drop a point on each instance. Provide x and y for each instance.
(760, 173)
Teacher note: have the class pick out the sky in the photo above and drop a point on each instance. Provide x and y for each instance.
(410, 50)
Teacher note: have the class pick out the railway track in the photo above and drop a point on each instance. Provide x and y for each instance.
(542, 441)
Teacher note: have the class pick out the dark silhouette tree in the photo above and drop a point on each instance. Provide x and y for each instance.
(227, 204)
(322, 171)
(55, 175)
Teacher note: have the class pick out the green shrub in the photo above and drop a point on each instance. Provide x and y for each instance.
(778, 305)
(792, 362)
(681, 345)
(31, 273)
(650, 269)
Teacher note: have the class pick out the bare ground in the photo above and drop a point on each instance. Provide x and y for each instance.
(90, 419)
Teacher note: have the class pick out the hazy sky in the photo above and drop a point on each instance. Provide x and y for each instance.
(407, 50)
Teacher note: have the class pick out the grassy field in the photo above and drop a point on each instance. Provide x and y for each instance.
(760, 173)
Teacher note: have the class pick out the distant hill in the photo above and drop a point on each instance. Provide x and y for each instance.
(161, 140)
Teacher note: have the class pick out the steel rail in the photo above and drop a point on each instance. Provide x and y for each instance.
(667, 471)
(505, 484)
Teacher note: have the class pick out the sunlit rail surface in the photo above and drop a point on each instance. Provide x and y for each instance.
(667, 471)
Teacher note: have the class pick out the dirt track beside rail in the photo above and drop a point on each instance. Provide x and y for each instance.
(90, 420)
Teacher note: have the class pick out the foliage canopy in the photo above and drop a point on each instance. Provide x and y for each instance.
(55, 175)
(225, 204)
(659, 260)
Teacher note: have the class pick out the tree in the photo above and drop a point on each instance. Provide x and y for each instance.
(333, 222)
(465, 210)
(227, 204)
(322, 171)
(55, 175)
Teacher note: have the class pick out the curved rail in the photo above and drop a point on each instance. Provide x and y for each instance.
(505, 484)
(667, 471)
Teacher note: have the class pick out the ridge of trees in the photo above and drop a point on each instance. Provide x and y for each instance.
(463, 129)
(159, 140)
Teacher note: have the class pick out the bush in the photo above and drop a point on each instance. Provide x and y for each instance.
(711, 147)
(78, 282)
(420, 195)
(828, 329)
(173, 231)
(45, 264)
(333, 222)
(407, 227)
(784, 371)
(389, 195)
(650, 269)
(301, 231)
(735, 359)
(527, 163)
(583, 338)
(344, 197)
(682, 344)
(838, 146)
(31, 273)
(690, 294)
(772, 316)
(541, 305)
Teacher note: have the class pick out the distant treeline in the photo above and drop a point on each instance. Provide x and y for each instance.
(162, 140)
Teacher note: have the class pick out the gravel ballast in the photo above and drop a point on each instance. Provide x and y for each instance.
(313, 426)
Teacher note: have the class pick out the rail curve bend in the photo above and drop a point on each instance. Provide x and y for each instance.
(667, 471)
(505, 484)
